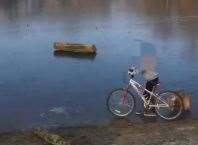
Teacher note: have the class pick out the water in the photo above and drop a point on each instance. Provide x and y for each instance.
(38, 88)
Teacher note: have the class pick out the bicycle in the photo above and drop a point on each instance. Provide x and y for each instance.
(121, 102)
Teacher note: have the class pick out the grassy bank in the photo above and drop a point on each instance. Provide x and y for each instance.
(120, 132)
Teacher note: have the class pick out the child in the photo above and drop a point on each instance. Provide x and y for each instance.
(152, 79)
(147, 69)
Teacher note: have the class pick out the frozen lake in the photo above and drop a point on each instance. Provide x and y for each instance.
(40, 88)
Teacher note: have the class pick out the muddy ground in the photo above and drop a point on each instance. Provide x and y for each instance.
(119, 132)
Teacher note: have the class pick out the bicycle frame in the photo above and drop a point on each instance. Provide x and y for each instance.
(135, 86)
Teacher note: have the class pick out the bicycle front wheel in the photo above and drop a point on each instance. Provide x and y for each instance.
(120, 102)
(171, 106)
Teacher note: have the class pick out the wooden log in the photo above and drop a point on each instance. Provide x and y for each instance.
(63, 54)
(75, 48)
(186, 100)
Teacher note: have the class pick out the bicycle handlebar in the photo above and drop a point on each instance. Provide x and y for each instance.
(132, 71)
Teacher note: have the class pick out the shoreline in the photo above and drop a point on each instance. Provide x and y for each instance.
(119, 132)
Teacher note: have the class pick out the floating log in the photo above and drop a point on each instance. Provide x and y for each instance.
(186, 100)
(63, 54)
(75, 48)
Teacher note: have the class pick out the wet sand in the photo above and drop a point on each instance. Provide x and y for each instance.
(120, 132)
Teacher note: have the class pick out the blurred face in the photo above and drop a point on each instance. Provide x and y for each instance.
(148, 62)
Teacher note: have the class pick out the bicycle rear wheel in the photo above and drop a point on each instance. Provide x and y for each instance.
(173, 107)
(120, 102)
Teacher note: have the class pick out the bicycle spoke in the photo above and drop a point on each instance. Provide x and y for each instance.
(173, 108)
(117, 105)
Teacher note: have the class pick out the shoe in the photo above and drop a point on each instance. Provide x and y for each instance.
(149, 113)
(138, 113)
